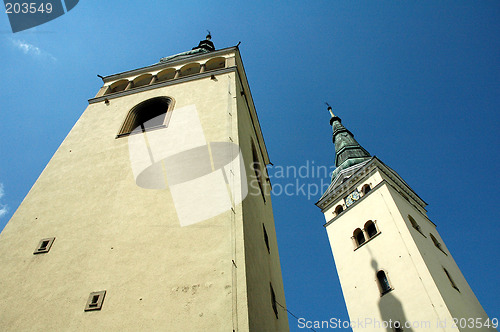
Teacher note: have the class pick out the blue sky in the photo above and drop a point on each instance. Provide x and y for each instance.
(418, 83)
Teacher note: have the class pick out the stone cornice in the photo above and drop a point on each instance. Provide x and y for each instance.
(335, 193)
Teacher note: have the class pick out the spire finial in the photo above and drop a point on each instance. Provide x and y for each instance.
(330, 109)
(209, 35)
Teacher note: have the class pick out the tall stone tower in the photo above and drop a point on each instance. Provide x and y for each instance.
(395, 270)
(154, 214)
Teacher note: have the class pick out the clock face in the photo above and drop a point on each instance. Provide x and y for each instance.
(351, 198)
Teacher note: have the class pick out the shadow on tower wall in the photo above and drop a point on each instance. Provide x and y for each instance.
(391, 309)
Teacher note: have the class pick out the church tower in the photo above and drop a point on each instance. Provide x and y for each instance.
(154, 214)
(395, 271)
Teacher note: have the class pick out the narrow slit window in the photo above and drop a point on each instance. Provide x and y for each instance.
(273, 301)
(266, 238)
(95, 301)
(44, 245)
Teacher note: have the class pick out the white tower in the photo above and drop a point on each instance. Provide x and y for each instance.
(395, 270)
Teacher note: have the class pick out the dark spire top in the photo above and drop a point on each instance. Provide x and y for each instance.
(348, 152)
(206, 44)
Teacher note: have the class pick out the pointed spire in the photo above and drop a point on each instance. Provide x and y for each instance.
(347, 150)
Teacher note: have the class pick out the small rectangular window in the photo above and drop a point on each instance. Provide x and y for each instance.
(44, 245)
(95, 301)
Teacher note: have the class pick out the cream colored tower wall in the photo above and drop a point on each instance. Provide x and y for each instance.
(113, 235)
(263, 266)
(461, 303)
(420, 294)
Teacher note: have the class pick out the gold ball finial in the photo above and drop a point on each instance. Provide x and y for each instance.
(330, 109)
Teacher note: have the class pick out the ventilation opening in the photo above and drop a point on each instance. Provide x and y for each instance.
(95, 301)
(44, 245)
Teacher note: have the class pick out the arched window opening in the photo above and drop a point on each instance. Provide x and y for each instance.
(166, 75)
(339, 209)
(366, 189)
(142, 80)
(148, 115)
(451, 280)
(383, 282)
(258, 171)
(436, 242)
(359, 237)
(370, 229)
(118, 86)
(190, 69)
(215, 63)
(415, 225)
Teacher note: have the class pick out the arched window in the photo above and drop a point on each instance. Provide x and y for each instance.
(383, 282)
(370, 229)
(415, 225)
(148, 115)
(359, 237)
(215, 63)
(190, 69)
(142, 80)
(118, 86)
(166, 74)
(258, 171)
(366, 189)
(338, 209)
(437, 244)
(451, 280)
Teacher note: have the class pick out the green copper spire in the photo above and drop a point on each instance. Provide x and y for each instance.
(348, 152)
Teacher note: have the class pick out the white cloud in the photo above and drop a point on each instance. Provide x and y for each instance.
(30, 49)
(3, 208)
